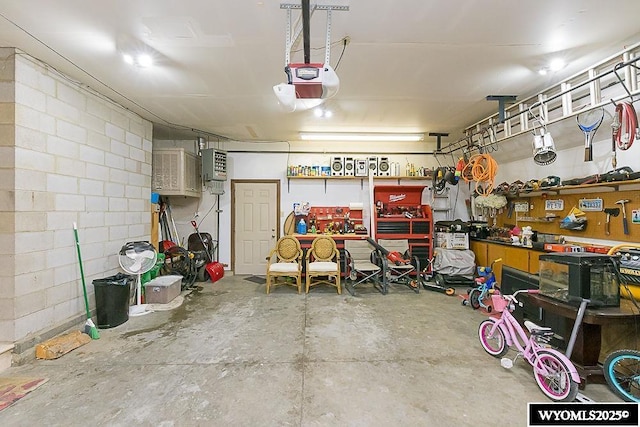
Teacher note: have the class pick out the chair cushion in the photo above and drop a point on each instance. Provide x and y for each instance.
(284, 267)
(393, 266)
(365, 266)
(323, 266)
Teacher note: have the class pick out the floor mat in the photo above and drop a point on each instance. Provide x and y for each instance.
(257, 279)
(14, 389)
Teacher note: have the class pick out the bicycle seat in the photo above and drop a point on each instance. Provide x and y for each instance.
(537, 330)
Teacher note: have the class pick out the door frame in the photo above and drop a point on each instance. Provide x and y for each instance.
(233, 211)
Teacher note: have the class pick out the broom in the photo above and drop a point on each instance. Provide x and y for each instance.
(89, 327)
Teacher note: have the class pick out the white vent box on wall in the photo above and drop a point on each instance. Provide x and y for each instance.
(175, 172)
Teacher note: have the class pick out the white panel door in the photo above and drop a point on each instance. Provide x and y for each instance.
(255, 223)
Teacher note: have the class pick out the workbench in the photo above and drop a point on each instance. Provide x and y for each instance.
(589, 340)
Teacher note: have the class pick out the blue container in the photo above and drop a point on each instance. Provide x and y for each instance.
(302, 227)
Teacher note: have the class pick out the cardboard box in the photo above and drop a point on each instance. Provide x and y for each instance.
(452, 240)
(163, 289)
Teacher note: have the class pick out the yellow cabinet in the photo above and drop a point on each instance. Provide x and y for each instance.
(480, 250)
(534, 261)
(517, 257)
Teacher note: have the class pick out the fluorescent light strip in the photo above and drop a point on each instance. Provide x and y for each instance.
(368, 137)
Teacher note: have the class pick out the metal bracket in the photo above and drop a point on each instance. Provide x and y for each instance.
(315, 6)
(502, 101)
(438, 136)
(291, 39)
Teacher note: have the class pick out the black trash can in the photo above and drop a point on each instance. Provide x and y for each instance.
(112, 300)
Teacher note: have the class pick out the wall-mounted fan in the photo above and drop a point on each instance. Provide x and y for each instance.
(137, 258)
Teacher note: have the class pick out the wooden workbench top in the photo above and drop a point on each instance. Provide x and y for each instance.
(333, 236)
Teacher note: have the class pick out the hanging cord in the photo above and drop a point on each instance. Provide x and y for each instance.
(439, 182)
(483, 169)
(628, 122)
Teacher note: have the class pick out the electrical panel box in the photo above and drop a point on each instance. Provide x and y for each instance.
(175, 172)
(214, 165)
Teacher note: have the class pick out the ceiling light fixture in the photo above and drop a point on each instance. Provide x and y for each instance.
(142, 60)
(367, 137)
(555, 65)
(544, 149)
(322, 112)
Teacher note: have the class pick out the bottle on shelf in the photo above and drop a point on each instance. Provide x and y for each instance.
(302, 227)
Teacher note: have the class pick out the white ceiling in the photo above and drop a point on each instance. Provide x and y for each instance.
(410, 65)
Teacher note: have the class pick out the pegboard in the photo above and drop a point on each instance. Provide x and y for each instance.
(595, 219)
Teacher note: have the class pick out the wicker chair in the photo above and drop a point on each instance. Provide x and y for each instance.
(323, 261)
(285, 260)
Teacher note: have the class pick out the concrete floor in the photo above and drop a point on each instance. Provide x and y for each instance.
(233, 356)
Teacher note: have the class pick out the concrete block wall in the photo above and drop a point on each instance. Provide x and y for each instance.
(7, 194)
(79, 157)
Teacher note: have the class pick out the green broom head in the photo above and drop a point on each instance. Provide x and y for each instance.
(91, 330)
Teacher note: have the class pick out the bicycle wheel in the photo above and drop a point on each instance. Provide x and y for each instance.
(554, 377)
(496, 344)
(622, 372)
(474, 299)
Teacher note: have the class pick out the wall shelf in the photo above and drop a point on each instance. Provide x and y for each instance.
(600, 187)
(352, 178)
(531, 219)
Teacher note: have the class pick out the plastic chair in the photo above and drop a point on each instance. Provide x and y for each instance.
(323, 260)
(401, 273)
(361, 258)
(285, 260)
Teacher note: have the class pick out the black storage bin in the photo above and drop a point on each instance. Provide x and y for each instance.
(112, 300)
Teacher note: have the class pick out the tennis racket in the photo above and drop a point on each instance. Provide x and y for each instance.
(589, 122)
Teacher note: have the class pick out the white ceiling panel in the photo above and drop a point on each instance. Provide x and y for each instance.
(414, 65)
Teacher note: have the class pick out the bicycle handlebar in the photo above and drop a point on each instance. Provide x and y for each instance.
(528, 291)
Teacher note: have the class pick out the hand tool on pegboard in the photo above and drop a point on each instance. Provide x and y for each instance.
(610, 212)
(625, 223)
(510, 209)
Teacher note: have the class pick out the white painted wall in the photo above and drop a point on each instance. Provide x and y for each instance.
(81, 158)
(273, 165)
(516, 160)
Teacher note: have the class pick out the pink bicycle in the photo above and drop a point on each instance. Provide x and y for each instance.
(556, 376)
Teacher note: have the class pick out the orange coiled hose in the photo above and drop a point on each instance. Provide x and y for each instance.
(483, 169)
